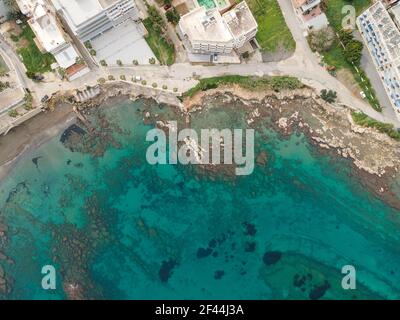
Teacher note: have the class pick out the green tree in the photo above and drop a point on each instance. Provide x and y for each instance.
(173, 16)
(345, 36)
(353, 52)
(329, 96)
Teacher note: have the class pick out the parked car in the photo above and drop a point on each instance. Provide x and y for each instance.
(38, 77)
(167, 7)
(45, 98)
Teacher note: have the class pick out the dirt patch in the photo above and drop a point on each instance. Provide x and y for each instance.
(347, 78)
(280, 54)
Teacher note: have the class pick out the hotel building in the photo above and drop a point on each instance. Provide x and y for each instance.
(382, 38)
(90, 18)
(207, 31)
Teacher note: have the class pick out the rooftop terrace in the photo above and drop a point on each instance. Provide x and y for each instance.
(205, 25)
(240, 20)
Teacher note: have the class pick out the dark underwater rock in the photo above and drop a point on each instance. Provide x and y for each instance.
(219, 274)
(70, 130)
(166, 269)
(203, 253)
(272, 257)
(250, 229)
(250, 246)
(319, 291)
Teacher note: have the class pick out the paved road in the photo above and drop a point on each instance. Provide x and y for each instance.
(369, 67)
(17, 64)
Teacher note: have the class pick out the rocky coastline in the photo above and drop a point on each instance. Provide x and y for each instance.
(375, 157)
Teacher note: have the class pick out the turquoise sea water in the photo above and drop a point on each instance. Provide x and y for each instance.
(116, 227)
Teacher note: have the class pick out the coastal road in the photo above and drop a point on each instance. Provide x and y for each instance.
(17, 64)
(303, 64)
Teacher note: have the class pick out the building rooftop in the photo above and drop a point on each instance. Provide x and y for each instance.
(396, 11)
(49, 34)
(240, 20)
(205, 25)
(107, 3)
(382, 39)
(79, 11)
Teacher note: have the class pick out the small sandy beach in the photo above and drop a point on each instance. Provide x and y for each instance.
(32, 134)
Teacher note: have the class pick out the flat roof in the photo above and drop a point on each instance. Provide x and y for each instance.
(318, 22)
(107, 3)
(79, 11)
(47, 31)
(205, 25)
(240, 20)
(66, 57)
(396, 11)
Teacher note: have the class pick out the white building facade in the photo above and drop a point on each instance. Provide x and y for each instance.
(88, 19)
(382, 38)
(206, 31)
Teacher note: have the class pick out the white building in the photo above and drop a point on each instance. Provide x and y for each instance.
(50, 37)
(382, 38)
(206, 31)
(88, 19)
(241, 24)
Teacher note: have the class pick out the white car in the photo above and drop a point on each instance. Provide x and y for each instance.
(138, 78)
(362, 94)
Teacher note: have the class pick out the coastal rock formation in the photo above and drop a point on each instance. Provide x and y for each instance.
(329, 126)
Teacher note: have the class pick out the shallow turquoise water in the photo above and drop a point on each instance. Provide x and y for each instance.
(119, 228)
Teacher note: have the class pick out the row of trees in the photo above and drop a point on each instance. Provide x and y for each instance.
(323, 40)
(352, 48)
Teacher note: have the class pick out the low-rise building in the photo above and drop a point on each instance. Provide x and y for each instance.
(49, 35)
(311, 14)
(241, 24)
(90, 18)
(382, 38)
(205, 31)
(208, 32)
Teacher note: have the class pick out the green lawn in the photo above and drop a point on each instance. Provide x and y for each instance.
(33, 59)
(335, 57)
(276, 83)
(162, 49)
(334, 10)
(273, 33)
(365, 121)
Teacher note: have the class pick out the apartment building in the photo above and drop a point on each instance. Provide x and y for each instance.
(49, 35)
(90, 18)
(208, 32)
(204, 31)
(241, 24)
(382, 38)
